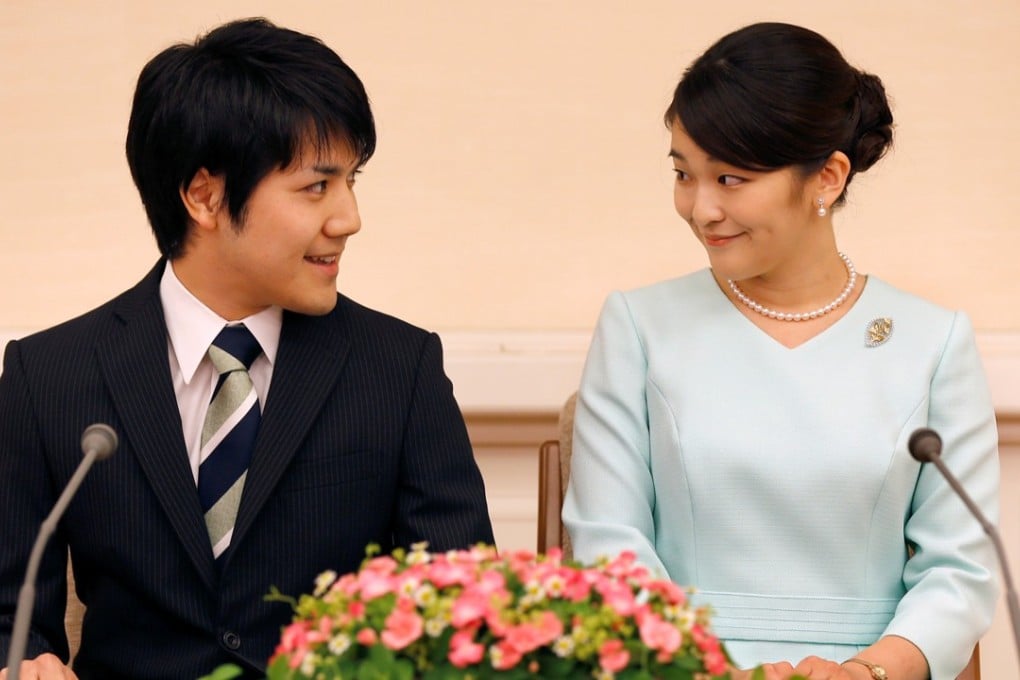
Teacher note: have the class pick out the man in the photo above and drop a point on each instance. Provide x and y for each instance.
(331, 427)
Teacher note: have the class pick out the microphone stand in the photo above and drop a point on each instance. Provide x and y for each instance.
(98, 443)
(926, 446)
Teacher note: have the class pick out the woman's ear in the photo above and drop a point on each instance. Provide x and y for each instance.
(203, 198)
(832, 177)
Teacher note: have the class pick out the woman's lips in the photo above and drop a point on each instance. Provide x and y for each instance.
(717, 240)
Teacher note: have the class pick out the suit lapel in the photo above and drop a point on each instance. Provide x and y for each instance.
(312, 353)
(135, 366)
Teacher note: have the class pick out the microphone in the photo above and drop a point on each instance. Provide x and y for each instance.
(926, 446)
(98, 442)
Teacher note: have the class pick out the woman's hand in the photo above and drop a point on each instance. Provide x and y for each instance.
(812, 668)
(817, 668)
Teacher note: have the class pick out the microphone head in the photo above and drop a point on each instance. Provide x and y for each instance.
(925, 444)
(99, 439)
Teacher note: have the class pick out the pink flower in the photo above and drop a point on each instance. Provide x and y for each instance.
(504, 656)
(549, 627)
(671, 592)
(524, 638)
(617, 595)
(375, 584)
(705, 641)
(367, 637)
(403, 626)
(323, 632)
(613, 656)
(443, 574)
(577, 587)
(715, 662)
(356, 609)
(660, 635)
(295, 636)
(464, 651)
(469, 607)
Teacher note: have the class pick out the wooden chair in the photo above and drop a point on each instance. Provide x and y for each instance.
(73, 614)
(553, 472)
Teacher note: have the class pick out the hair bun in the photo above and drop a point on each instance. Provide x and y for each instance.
(872, 135)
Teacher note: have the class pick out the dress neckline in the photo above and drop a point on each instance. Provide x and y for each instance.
(852, 311)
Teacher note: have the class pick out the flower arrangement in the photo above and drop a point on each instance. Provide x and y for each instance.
(479, 613)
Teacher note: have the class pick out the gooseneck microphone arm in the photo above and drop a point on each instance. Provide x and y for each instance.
(926, 446)
(98, 442)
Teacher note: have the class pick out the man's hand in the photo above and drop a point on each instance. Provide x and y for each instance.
(43, 667)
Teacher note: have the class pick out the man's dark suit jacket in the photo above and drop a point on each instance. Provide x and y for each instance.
(361, 442)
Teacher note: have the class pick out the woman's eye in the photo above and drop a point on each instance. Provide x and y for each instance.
(730, 180)
(681, 176)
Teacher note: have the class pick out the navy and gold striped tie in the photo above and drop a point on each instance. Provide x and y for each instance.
(228, 435)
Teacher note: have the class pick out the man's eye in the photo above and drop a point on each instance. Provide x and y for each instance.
(318, 187)
(681, 176)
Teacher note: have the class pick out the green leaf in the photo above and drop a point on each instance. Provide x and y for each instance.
(674, 672)
(278, 670)
(276, 596)
(224, 672)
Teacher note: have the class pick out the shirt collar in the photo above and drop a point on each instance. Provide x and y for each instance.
(192, 326)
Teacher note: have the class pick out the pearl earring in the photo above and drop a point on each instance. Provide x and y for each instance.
(822, 212)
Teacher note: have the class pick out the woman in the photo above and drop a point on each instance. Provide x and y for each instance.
(744, 428)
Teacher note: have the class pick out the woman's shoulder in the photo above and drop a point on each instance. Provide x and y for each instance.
(692, 288)
(917, 320)
(882, 294)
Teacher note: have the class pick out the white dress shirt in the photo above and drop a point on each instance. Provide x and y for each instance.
(191, 328)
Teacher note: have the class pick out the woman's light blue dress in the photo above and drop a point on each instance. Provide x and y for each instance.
(777, 481)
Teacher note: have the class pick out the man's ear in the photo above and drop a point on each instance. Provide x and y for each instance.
(203, 198)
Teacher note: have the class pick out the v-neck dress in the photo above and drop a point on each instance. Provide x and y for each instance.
(777, 481)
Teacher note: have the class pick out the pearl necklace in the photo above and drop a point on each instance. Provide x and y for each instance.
(801, 316)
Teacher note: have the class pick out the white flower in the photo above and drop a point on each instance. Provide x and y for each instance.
(408, 586)
(434, 627)
(425, 595)
(338, 644)
(602, 674)
(563, 646)
(308, 664)
(418, 554)
(323, 581)
(554, 585)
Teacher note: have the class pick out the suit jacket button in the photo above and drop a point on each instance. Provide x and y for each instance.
(231, 640)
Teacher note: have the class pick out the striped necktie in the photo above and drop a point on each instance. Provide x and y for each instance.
(228, 435)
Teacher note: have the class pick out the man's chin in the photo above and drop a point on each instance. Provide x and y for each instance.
(313, 307)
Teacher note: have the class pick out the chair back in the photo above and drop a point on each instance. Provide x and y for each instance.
(73, 614)
(553, 474)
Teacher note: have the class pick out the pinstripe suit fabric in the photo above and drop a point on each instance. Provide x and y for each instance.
(361, 441)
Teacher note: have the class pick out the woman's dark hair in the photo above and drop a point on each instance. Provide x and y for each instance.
(240, 102)
(773, 95)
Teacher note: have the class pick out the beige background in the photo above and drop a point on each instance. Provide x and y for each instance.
(522, 174)
(521, 171)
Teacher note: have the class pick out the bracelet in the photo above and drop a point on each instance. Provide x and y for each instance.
(877, 672)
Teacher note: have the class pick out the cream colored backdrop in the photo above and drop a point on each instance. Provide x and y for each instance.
(521, 174)
(521, 171)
